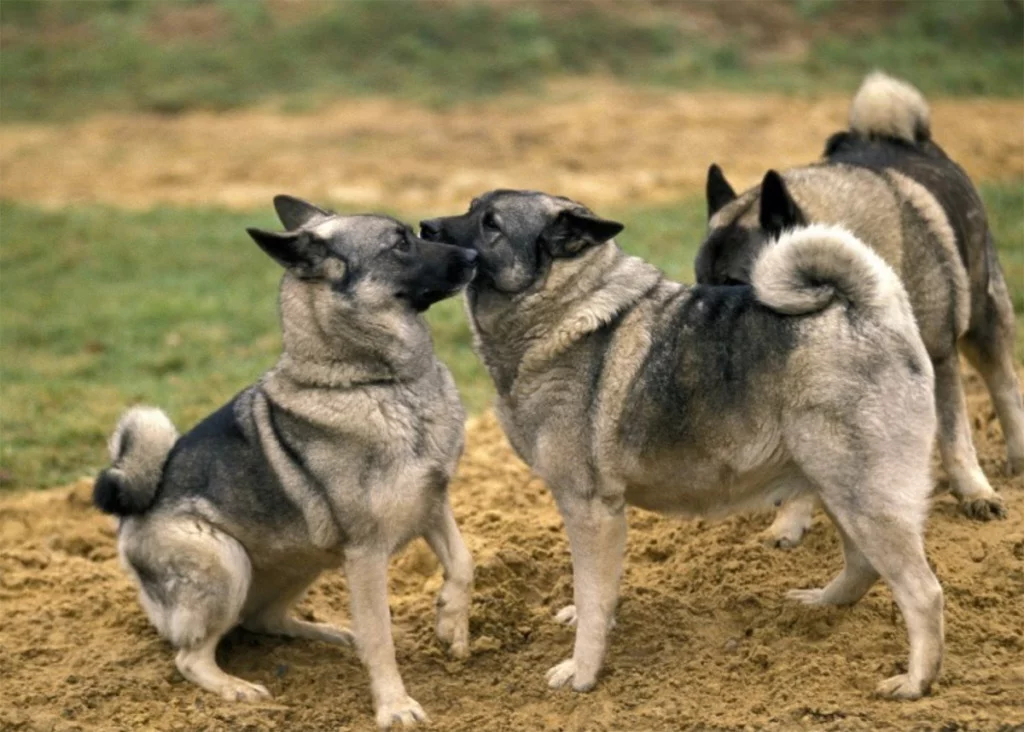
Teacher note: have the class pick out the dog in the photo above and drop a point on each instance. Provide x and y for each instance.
(619, 386)
(339, 455)
(887, 181)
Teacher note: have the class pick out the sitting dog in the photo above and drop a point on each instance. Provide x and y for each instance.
(337, 456)
(886, 181)
(619, 386)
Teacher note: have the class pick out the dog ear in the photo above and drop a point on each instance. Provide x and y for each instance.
(778, 209)
(718, 191)
(573, 231)
(300, 252)
(295, 213)
(834, 143)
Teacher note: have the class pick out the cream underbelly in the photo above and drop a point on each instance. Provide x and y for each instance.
(705, 496)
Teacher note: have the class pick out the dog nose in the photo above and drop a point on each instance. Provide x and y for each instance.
(430, 229)
(469, 255)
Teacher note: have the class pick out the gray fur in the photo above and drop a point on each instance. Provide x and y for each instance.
(619, 386)
(338, 456)
(897, 191)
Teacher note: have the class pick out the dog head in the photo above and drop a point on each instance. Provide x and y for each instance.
(739, 227)
(366, 261)
(519, 235)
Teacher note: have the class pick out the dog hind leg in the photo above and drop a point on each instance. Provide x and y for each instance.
(198, 664)
(272, 616)
(988, 345)
(193, 581)
(897, 551)
(857, 577)
(883, 522)
(875, 485)
(977, 498)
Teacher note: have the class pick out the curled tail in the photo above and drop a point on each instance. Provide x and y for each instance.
(888, 107)
(809, 268)
(138, 451)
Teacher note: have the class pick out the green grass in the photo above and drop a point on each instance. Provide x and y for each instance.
(102, 308)
(65, 59)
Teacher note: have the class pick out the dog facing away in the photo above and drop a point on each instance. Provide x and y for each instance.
(337, 456)
(891, 185)
(619, 386)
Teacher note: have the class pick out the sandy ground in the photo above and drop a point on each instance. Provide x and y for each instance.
(602, 143)
(705, 639)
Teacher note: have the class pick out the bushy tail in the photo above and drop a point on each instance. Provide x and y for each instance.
(888, 107)
(138, 451)
(809, 268)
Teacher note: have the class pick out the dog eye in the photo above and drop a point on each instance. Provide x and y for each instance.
(403, 243)
(490, 221)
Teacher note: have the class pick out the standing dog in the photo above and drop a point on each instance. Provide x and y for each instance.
(887, 182)
(618, 386)
(337, 456)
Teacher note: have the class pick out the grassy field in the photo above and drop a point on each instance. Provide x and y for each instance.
(103, 308)
(66, 59)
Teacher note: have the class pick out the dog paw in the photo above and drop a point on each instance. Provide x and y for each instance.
(243, 691)
(452, 627)
(900, 687)
(792, 522)
(566, 616)
(405, 712)
(786, 532)
(566, 672)
(808, 597)
(560, 675)
(329, 634)
(453, 630)
(983, 509)
(340, 636)
(789, 539)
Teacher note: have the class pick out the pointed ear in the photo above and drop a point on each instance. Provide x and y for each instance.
(294, 212)
(718, 191)
(573, 231)
(834, 143)
(778, 209)
(300, 252)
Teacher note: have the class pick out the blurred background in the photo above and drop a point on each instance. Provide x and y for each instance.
(138, 139)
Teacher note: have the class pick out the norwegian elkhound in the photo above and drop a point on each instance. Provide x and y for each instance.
(886, 181)
(619, 386)
(337, 456)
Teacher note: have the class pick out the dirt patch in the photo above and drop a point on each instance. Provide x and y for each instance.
(603, 143)
(704, 638)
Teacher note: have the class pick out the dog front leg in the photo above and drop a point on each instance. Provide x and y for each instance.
(453, 602)
(597, 538)
(367, 573)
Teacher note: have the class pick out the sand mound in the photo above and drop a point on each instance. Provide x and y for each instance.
(704, 639)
